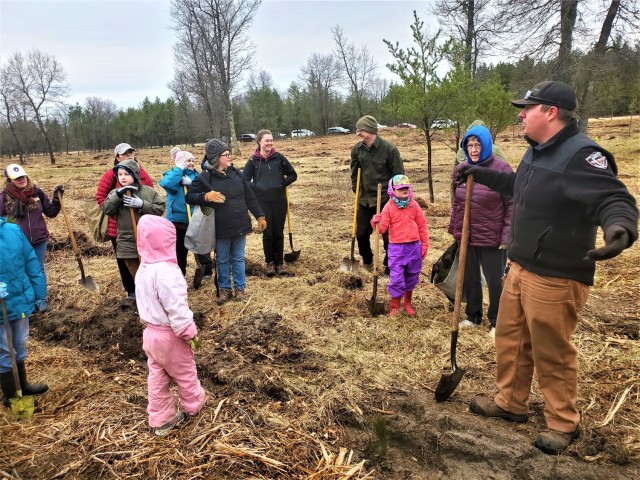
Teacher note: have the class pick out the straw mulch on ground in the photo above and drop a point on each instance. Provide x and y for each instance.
(301, 381)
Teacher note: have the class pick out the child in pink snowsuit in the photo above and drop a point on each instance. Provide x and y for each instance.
(161, 295)
(408, 241)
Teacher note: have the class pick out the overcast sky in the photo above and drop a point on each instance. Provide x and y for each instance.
(122, 50)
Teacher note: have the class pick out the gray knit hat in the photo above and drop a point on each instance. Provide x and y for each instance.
(368, 123)
(213, 149)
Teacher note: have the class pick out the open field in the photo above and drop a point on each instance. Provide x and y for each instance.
(302, 382)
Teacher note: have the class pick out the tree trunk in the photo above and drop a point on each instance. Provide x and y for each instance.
(427, 135)
(468, 41)
(568, 15)
(13, 132)
(46, 137)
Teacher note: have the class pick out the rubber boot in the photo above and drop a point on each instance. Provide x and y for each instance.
(29, 388)
(8, 387)
(395, 306)
(407, 304)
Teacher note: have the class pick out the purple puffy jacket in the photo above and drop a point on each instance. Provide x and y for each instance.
(490, 211)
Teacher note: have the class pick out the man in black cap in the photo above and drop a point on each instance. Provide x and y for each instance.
(564, 188)
(379, 160)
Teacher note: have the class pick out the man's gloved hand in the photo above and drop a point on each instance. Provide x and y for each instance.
(616, 239)
(41, 305)
(467, 170)
(185, 181)
(262, 224)
(375, 219)
(196, 344)
(215, 197)
(122, 190)
(58, 191)
(133, 201)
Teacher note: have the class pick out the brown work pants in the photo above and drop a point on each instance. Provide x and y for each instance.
(536, 319)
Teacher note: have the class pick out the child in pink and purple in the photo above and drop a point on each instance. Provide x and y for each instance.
(408, 241)
(170, 333)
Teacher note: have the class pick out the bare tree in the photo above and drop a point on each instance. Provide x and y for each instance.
(359, 66)
(9, 101)
(322, 73)
(39, 80)
(221, 28)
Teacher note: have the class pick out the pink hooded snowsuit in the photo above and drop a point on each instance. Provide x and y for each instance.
(161, 295)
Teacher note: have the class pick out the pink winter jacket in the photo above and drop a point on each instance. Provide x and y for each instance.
(405, 224)
(161, 290)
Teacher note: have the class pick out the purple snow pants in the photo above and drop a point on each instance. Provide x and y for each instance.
(405, 263)
(170, 358)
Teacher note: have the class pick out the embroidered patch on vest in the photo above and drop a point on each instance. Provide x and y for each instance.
(597, 160)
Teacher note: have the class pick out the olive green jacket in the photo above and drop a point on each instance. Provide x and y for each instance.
(379, 163)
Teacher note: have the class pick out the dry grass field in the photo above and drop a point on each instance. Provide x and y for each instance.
(301, 381)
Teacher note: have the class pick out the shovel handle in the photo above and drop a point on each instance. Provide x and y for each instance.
(12, 354)
(462, 257)
(377, 237)
(74, 245)
(286, 194)
(184, 187)
(355, 206)
(133, 219)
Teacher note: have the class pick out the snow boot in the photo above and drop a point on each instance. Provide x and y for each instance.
(29, 388)
(407, 304)
(395, 307)
(8, 387)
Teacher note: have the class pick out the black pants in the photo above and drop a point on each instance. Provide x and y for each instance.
(364, 231)
(273, 237)
(493, 261)
(182, 252)
(125, 275)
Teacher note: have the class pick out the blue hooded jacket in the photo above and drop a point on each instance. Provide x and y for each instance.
(20, 270)
(486, 142)
(176, 204)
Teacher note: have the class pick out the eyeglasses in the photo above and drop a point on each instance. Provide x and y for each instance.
(473, 146)
(228, 155)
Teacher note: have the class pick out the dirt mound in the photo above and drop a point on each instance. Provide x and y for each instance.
(86, 245)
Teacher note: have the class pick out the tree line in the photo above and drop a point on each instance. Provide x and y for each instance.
(538, 40)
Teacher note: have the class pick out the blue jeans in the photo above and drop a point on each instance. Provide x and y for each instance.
(230, 255)
(41, 249)
(20, 331)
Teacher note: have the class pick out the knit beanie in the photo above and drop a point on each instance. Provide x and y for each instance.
(368, 123)
(174, 151)
(183, 156)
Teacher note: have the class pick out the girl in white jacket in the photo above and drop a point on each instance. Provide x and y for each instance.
(170, 335)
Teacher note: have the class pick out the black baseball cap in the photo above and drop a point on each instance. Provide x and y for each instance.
(557, 94)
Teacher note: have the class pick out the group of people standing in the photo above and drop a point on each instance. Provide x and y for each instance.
(541, 219)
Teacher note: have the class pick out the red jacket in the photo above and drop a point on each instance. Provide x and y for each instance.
(405, 224)
(107, 183)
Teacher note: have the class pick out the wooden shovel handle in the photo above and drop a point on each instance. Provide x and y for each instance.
(355, 205)
(72, 237)
(377, 235)
(12, 353)
(133, 219)
(184, 187)
(462, 254)
(286, 194)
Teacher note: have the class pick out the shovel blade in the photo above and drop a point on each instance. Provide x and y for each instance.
(447, 384)
(89, 283)
(375, 307)
(292, 256)
(22, 407)
(350, 265)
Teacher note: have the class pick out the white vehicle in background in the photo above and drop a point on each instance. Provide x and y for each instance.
(302, 133)
(338, 131)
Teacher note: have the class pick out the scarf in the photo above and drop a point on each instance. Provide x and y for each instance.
(16, 199)
(401, 203)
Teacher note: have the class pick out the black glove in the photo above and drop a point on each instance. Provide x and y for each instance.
(58, 191)
(616, 239)
(466, 170)
(129, 188)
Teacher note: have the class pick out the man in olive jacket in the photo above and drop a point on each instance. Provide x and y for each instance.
(379, 161)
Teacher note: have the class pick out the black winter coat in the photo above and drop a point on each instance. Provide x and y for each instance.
(232, 217)
(268, 178)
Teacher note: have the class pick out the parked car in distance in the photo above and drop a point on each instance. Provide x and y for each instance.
(302, 133)
(439, 123)
(247, 137)
(405, 125)
(380, 127)
(279, 135)
(338, 131)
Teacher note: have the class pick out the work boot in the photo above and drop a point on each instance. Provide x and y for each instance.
(271, 269)
(553, 442)
(167, 427)
(225, 296)
(395, 307)
(198, 276)
(239, 295)
(368, 267)
(8, 387)
(29, 388)
(407, 304)
(282, 270)
(487, 408)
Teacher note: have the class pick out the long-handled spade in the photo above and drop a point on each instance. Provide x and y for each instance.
(86, 281)
(21, 407)
(376, 307)
(294, 254)
(449, 381)
(351, 264)
(133, 222)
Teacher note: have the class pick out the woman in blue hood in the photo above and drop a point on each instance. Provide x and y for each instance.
(490, 221)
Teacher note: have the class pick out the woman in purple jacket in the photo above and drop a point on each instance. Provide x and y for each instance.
(25, 202)
(490, 221)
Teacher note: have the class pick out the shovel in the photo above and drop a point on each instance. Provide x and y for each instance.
(199, 273)
(351, 264)
(133, 222)
(86, 281)
(294, 254)
(21, 407)
(449, 381)
(376, 307)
